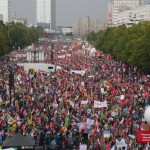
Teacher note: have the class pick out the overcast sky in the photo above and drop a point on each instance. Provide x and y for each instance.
(67, 11)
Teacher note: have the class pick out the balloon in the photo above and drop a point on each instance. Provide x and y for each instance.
(147, 115)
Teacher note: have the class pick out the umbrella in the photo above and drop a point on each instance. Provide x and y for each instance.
(18, 140)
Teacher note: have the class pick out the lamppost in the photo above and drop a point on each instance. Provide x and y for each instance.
(11, 82)
(52, 53)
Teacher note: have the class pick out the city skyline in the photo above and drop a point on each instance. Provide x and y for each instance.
(67, 12)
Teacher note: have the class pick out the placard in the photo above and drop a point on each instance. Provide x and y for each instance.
(83, 147)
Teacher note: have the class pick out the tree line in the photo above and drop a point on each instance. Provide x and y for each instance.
(14, 35)
(129, 45)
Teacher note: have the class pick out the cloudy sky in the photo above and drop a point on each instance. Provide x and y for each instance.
(67, 11)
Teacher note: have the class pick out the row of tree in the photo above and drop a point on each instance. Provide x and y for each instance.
(129, 45)
(14, 35)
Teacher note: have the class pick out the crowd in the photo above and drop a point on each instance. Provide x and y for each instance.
(57, 108)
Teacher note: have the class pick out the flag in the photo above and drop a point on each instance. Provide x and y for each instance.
(67, 119)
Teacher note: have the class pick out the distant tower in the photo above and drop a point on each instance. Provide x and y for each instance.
(5, 10)
(46, 14)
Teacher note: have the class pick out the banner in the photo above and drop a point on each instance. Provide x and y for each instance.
(106, 134)
(143, 136)
(21, 55)
(55, 105)
(122, 97)
(61, 56)
(98, 104)
(84, 102)
(89, 123)
(68, 55)
(102, 90)
(97, 54)
(71, 103)
(82, 72)
(81, 125)
(83, 147)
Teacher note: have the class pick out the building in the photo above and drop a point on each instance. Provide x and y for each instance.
(82, 27)
(67, 30)
(136, 15)
(46, 14)
(85, 25)
(19, 20)
(5, 10)
(116, 6)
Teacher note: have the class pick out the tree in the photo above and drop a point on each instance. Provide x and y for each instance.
(3, 45)
(129, 45)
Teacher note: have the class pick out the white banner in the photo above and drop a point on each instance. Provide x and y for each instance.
(122, 97)
(72, 104)
(102, 90)
(83, 147)
(68, 55)
(84, 102)
(55, 105)
(98, 104)
(61, 56)
(21, 55)
(81, 125)
(82, 72)
(89, 123)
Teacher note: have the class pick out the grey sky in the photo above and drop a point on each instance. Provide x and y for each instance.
(67, 11)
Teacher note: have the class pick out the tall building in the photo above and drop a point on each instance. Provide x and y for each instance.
(134, 16)
(116, 6)
(46, 14)
(5, 10)
(86, 25)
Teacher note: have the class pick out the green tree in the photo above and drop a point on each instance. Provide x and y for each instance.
(3, 45)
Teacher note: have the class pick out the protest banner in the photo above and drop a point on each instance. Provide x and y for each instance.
(84, 102)
(143, 136)
(89, 123)
(122, 97)
(81, 125)
(102, 90)
(98, 104)
(106, 134)
(97, 54)
(83, 147)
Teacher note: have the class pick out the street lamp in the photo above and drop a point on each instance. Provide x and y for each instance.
(11, 82)
(52, 53)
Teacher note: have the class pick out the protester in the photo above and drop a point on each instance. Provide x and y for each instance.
(62, 109)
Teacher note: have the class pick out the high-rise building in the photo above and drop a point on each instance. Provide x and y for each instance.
(116, 6)
(86, 25)
(46, 14)
(5, 10)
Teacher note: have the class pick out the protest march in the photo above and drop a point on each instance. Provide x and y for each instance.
(92, 100)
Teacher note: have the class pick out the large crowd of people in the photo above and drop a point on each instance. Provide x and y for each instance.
(58, 108)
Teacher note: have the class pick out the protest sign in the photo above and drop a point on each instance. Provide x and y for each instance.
(84, 102)
(89, 123)
(98, 104)
(143, 136)
(83, 147)
(106, 134)
(122, 97)
(81, 125)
